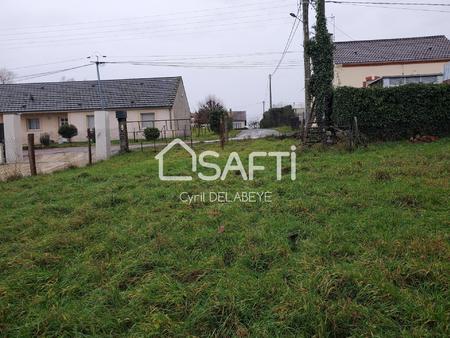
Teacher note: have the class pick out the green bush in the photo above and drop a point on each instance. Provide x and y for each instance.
(396, 112)
(45, 139)
(68, 131)
(151, 134)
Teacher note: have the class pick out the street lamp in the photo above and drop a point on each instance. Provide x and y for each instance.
(295, 16)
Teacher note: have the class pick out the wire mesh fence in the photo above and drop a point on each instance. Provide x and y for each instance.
(63, 156)
(46, 163)
(168, 128)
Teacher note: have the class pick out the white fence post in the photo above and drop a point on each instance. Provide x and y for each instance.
(13, 138)
(102, 135)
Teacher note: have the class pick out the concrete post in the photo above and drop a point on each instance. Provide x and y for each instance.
(13, 138)
(102, 135)
(2, 157)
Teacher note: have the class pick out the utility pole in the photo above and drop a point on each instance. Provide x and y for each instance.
(100, 90)
(306, 59)
(333, 18)
(264, 106)
(270, 90)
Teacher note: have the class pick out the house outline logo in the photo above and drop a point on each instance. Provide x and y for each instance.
(160, 158)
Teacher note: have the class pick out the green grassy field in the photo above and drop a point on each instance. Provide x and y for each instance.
(357, 246)
(284, 129)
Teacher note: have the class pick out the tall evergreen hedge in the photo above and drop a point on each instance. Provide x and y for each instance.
(396, 112)
(277, 117)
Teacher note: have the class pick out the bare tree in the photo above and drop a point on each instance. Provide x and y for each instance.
(211, 103)
(206, 112)
(201, 118)
(6, 76)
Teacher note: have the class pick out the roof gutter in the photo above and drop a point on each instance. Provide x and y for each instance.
(388, 63)
(80, 110)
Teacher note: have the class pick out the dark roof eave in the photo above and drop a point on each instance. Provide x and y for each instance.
(82, 110)
(385, 63)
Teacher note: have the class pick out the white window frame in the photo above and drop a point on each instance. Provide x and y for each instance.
(147, 123)
(38, 124)
(88, 117)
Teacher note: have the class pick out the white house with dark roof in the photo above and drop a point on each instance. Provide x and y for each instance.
(399, 61)
(239, 119)
(149, 102)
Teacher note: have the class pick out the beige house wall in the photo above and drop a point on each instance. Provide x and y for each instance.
(181, 110)
(48, 123)
(134, 117)
(354, 76)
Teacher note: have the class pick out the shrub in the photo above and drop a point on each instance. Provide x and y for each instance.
(277, 117)
(68, 131)
(45, 139)
(151, 134)
(396, 112)
(215, 117)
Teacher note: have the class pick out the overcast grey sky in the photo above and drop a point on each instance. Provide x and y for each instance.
(243, 37)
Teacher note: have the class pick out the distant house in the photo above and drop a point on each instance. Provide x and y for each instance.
(391, 62)
(149, 102)
(239, 119)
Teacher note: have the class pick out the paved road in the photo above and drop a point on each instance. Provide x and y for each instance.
(256, 133)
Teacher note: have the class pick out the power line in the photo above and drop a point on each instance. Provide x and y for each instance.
(33, 76)
(343, 32)
(140, 30)
(127, 20)
(139, 26)
(46, 64)
(294, 28)
(161, 57)
(198, 57)
(237, 65)
(200, 29)
(397, 8)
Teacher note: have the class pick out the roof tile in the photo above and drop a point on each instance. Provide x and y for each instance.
(76, 95)
(392, 50)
